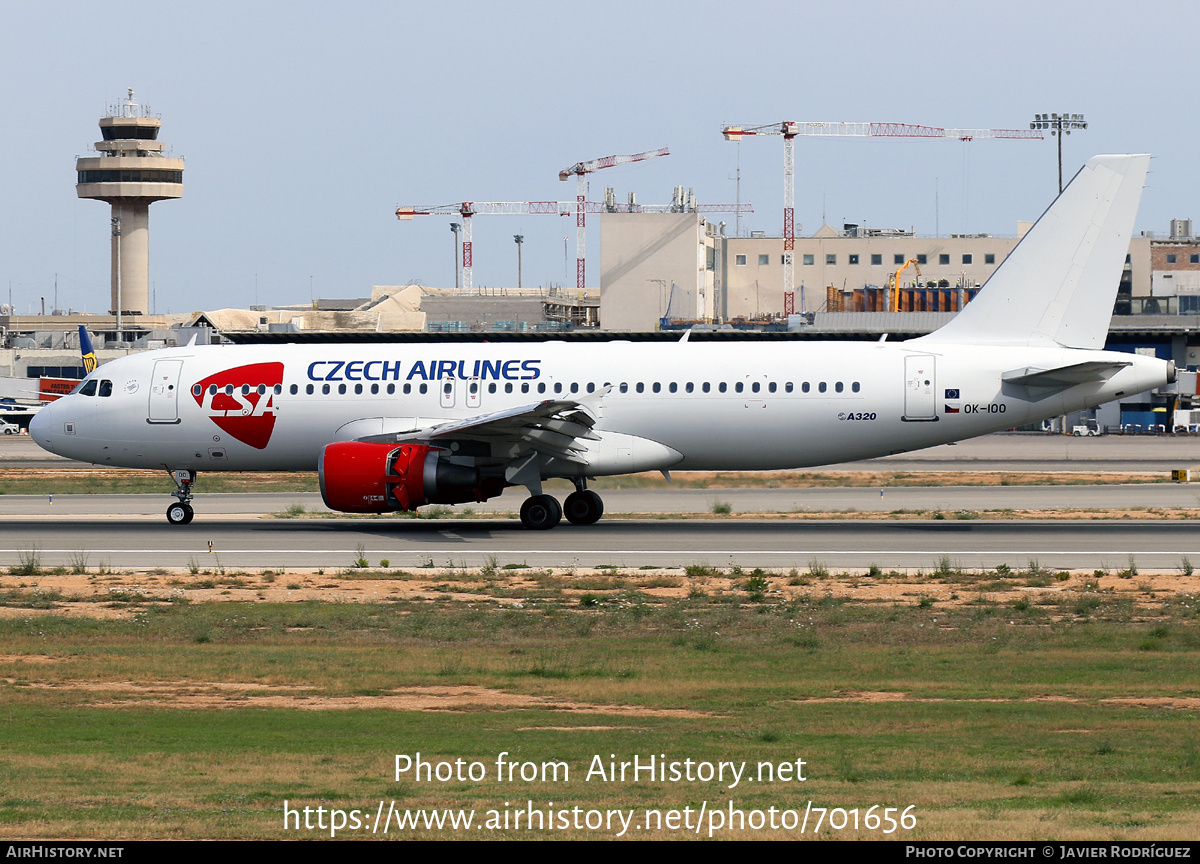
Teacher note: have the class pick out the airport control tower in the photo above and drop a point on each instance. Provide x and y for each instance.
(130, 172)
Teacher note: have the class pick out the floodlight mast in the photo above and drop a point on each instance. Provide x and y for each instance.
(1059, 125)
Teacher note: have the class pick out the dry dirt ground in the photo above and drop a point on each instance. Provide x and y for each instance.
(122, 594)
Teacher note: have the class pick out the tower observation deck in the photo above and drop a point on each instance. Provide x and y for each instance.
(130, 172)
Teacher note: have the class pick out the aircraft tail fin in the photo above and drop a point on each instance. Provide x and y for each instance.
(86, 350)
(1059, 283)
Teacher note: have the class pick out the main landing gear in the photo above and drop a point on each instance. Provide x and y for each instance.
(181, 513)
(582, 507)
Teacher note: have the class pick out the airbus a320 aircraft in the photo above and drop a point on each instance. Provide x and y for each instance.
(396, 426)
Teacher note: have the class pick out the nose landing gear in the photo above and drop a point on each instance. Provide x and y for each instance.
(181, 513)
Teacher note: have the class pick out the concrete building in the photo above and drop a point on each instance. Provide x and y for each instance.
(130, 172)
(850, 259)
(654, 266)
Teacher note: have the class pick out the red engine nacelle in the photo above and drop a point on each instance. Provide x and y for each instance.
(362, 477)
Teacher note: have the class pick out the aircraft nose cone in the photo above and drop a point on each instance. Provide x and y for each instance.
(40, 425)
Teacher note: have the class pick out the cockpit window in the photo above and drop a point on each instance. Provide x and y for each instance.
(105, 387)
(89, 388)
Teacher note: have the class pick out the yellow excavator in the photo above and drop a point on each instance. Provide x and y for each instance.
(911, 262)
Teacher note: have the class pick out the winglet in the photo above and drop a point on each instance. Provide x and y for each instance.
(1059, 283)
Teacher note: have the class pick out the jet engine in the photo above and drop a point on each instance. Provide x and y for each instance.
(365, 477)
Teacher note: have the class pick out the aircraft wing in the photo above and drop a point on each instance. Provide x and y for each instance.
(551, 429)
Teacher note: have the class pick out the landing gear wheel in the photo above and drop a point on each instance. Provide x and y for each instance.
(541, 512)
(180, 513)
(583, 507)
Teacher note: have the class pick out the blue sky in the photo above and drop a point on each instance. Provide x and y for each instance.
(304, 125)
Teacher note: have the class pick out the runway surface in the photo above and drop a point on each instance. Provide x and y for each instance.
(130, 530)
(250, 542)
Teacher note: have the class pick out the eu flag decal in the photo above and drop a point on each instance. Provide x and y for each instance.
(952, 394)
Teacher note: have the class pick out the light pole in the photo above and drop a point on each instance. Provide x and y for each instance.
(1059, 125)
(116, 233)
(519, 239)
(455, 227)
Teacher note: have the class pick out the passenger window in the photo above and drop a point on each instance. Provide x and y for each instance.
(524, 388)
(754, 386)
(738, 387)
(705, 387)
(447, 387)
(309, 389)
(574, 386)
(245, 389)
(624, 387)
(641, 388)
(391, 388)
(473, 387)
(855, 387)
(105, 387)
(821, 386)
(279, 389)
(673, 387)
(689, 387)
(722, 386)
(838, 386)
(804, 388)
(324, 389)
(357, 389)
(262, 389)
(212, 389)
(557, 386)
(374, 389)
(591, 388)
(787, 387)
(423, 389)
(508, 388)
(293, 389)
(541, 388)
(407, 389)
(229, 389)
(657, 388)
(341, 389)
(771, 387)
(492, 387)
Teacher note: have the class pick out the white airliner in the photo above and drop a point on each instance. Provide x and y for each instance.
(396, 426)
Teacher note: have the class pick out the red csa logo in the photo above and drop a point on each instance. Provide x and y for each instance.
(242, 401)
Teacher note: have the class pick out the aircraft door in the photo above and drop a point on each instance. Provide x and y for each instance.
(164, 392)
(920, 387)
(447, 392)
(474, 386)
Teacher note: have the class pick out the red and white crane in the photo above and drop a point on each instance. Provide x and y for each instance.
(790, 129)
(581, 170)
(468, 209)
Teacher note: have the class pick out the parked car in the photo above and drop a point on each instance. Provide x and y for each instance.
(9, 428)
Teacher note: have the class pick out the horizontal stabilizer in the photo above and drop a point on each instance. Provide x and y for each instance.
(1034, 384)
(1066, 376)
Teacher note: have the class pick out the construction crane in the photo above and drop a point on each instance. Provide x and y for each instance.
(790, 129)
(581, 170)
(468, 209)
